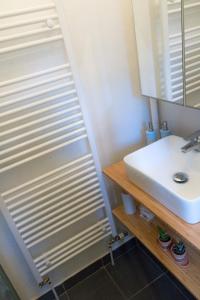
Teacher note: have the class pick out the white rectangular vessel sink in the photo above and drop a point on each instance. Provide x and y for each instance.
(152, 168)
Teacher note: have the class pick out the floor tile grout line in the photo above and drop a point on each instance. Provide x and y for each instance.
(68, 296)
(79, 282)
(114, 282)
(65, 293)
(146, 286)
(163, 272)
(178, 288)
(115, 259)
(102, 267)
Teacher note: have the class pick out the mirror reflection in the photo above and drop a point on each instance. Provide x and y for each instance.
(192, 52)
(159, 45)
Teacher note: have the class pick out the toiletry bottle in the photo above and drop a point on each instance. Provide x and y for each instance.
(164, 131)
(150, 134)
(128, 203)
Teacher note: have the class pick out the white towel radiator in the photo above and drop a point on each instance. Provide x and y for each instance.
(52, 193)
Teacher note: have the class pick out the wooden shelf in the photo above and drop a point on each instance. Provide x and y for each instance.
(189, 232)
(147, 233)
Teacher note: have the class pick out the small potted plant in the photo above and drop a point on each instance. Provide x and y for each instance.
(164, 238)
(179, 253)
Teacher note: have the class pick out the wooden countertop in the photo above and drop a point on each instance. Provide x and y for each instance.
(189, 232)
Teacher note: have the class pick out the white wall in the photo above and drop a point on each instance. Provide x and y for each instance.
(104, 44)
(182, 120)
(105, 51)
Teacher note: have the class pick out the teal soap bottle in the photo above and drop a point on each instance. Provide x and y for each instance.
(164, 131)
(151, 135)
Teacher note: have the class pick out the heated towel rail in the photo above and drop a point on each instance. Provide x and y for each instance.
(52, 196)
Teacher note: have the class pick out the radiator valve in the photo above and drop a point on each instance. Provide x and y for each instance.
(45, 281)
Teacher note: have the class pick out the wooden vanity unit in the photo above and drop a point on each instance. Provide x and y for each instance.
(147, 232)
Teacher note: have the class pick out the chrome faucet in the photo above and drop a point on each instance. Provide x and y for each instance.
(194, 142)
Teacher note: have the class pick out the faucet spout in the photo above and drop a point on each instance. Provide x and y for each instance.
(194, 142)
(193, 145)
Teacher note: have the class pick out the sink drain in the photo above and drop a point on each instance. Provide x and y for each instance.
(180, 177)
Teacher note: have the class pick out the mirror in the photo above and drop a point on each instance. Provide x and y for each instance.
(192, 52)
(158, 26)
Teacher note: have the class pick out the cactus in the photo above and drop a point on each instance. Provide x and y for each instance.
(163, 235)
(179, 248)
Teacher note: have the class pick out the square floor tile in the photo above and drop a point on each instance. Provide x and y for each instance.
(96, 287)
(161, 289)
(133, 271)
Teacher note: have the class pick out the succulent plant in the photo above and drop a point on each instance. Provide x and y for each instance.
(163, 235)
(179, 248)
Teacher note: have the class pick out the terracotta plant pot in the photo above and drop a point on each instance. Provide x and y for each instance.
(181, 259)
(165, 245)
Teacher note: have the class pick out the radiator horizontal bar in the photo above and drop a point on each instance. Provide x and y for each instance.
(23, 11)
(52, 232)
(37, 121)
(77, 244)
(42, 137)
(34, 75)
(78, 185)
(187, 59)
(31, 44)
(55, 202)
(187, 38)
(177, 65)
(176, 73)
(74, 168)
(56, 249)
(177, 85)
(28, 22)
(51, 217)
(188, 66)
(28, 33)
(175, 93)
(186, 31)
(192, 77)
(37, 84)
(177, 98)
(59, 220)
(190, 52)
(16, 164)
(176, 79)
(40, 102)
(40, 93)
(55, 185)
(44, 127)
(42, 110)
(46, 175)
(190, 91)
(186, 6)
(37, 147)
(187, 45)
(76, 253)
(189, 85)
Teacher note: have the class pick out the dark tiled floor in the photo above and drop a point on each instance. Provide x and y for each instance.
(162, 288)
(135, 276)
(103, 288)
(134, 271)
